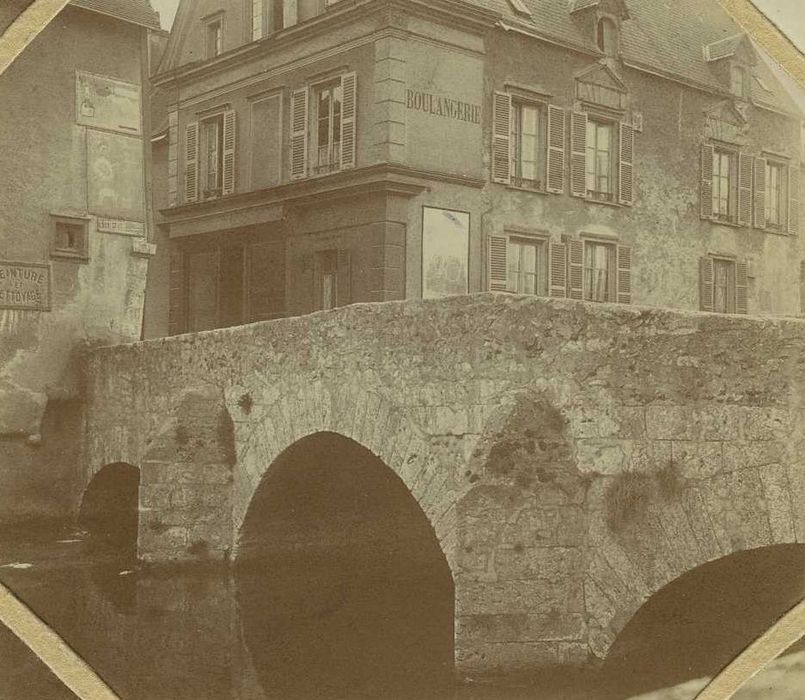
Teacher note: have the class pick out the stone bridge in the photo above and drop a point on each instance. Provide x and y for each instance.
(572, 460)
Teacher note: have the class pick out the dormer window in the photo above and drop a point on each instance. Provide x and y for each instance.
(607, 36)
(215, 37)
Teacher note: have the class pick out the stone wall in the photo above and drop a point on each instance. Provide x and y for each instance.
(572, 458)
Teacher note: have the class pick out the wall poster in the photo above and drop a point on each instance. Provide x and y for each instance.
(445, 252)
(115, 176)
(106, 103)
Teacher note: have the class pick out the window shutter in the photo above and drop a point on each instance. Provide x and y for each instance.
(191, 162)
(624, 295)
(578, 154)
(745, 167)
(706, 284)
(349, 86)
(707, 183)
(228, 178)
(575, 269)
(177, 291)
(557, 269)
(290, 14)
(501, 139)
(344, 284)
(741, 287)
(626, 165)
(497, 264)
(299, 117)
(760, 192)
(793, 198)
(556, 150)
(173, 158)
(315, 259)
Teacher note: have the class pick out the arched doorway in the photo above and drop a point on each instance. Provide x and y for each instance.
(110, 508)
(343, 587)
(698, 623)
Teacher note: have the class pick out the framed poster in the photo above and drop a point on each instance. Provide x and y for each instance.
(115, 176)
(106, 103)
(445, 252)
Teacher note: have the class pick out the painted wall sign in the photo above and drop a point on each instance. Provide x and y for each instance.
(106, 103)
(442, 106)
(115, 176)
(126, 228)
(445, 252)
(24, 286)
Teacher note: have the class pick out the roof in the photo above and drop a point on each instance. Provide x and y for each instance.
(665, 36)
(133, 11)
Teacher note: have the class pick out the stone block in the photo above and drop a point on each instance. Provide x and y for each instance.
(532, 527)
(554, 563)
(538, 596)
(698, 460)
(553, 627)
(777, 491)
(603, 455)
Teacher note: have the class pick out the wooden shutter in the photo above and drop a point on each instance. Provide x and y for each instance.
(745, 167)
(173, 157)
(344, 277)
(349, 87)
(299, 129)
(501, 138)
(626, 165)
(578, 154)
(624, 284)
(706, 284)
(556, 150)
(706, 194)
(228, 177)
(741, 287)
(191, 162)
(575, 269)
(177, 318)
(497, 264)
(793, 198)
(557, 270)
(760, 192)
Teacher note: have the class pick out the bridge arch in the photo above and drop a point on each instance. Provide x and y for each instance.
(109, 509)
(365, 418)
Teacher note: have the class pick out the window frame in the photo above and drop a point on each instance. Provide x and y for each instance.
(542, 257)
(78, 253)
(613, 47)
(206, 194)
(781, 167)
(518, 102)
(611, 248)
(210, 51)
(598, 120)
(332, 84)
(732, 153)
(730, 297)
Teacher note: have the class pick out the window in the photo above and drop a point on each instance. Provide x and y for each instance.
(211, 149)
(327, 151)
(258, 19)
(268, 16)
(215, 37)
(724, 189)
(598, 168)
(723, 286)
(70, 239)
(775, 195)
(607, 36)
(599, 271)
(738, 81)
(527, 266)
(328, 280)
(527, 160)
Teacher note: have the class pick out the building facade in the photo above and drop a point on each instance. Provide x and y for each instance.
(75, 235)
(315, 154)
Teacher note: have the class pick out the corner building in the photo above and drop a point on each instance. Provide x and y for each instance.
(315, 154)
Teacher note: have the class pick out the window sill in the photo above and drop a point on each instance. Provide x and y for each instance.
(520, 188)
(69, 256)
(603, 202)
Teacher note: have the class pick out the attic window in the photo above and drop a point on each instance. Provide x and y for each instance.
(519, 7)
(607, 36)
(739, 85)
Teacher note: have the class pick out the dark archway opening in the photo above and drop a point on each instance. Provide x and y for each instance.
(343, 587)
(697, 624)
(110, 509)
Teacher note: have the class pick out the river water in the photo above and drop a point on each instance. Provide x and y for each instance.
(308, 626)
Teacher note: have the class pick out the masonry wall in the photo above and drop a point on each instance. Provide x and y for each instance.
(45, 172)
(573, 459)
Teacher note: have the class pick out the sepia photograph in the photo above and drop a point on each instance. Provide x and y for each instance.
(402, 350)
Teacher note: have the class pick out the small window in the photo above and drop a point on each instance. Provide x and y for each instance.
(739, 85)
(599, 271)
(527, 266)
(70, 239)
(599, 160)
(724, 185)
(607, 36)
(327, 132)
(775, 195)
(215, 37)
(258, 19)
(527, 152)
(723, 286)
